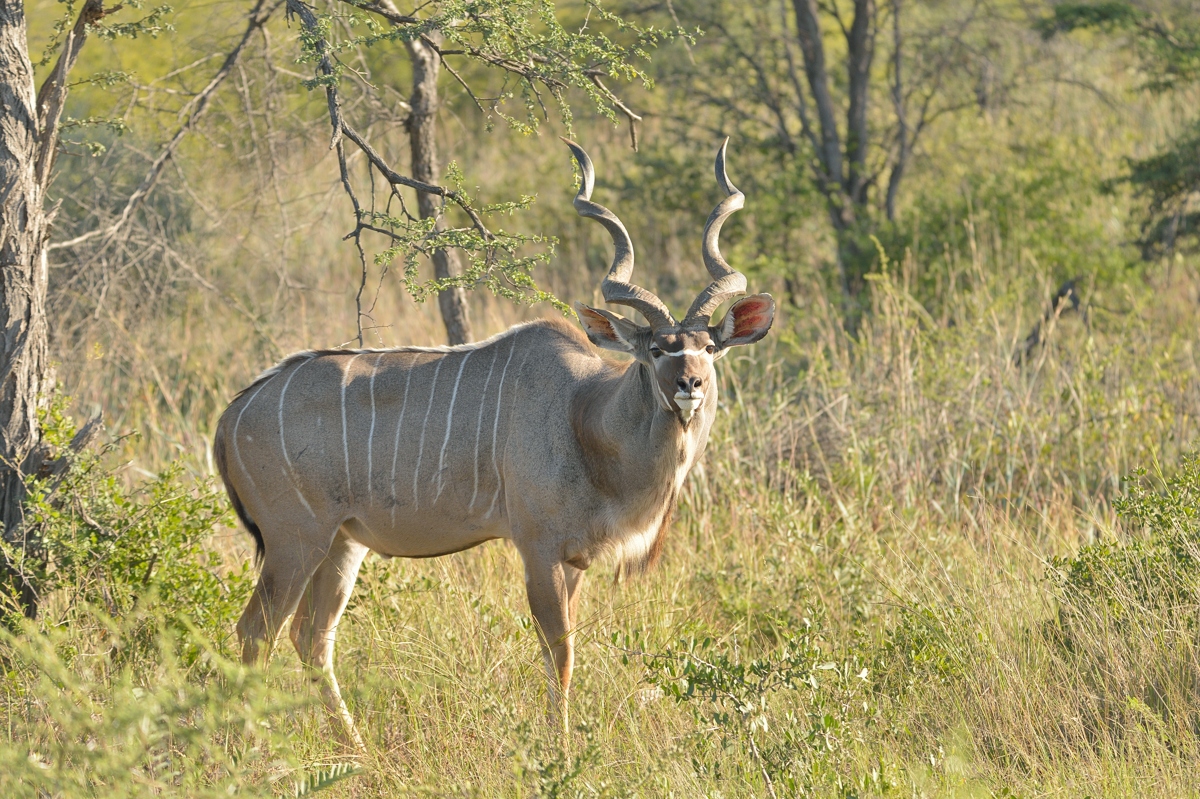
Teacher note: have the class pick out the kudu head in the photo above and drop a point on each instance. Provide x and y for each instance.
(679, 355)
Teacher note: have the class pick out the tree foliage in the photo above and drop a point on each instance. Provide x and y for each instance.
(1167, 42)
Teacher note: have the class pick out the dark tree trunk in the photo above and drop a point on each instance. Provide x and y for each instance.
(24, 369)
(812, 47)
(842, 174)
(902, 141)
(422, 136)
(28, 144)
(860, 43)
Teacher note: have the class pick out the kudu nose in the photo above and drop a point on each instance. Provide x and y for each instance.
(688, 385)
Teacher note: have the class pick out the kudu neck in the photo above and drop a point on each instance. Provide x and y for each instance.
(627, 412)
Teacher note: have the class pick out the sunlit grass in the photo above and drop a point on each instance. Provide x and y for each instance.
(890, 506)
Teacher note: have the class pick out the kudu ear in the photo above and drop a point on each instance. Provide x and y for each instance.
(747, 321)
(606, 329)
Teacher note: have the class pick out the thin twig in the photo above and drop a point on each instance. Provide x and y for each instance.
(612, 98)
(258, 17)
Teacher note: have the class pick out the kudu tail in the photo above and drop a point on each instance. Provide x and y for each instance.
(234, 499)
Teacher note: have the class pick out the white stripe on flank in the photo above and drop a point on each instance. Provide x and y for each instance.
(371, 437)
(399, 425)
(290, 470)
(345, 437)
(479, 424)
(449, 419)
(424, 427)
(237, 453)
(496, 427)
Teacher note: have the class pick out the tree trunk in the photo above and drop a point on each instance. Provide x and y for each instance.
(24, 369)
(812, 47)
(422, 136)
(860, 51)
(902, 140)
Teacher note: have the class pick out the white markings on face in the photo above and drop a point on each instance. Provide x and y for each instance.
(496, 427)
(449, 421)
(371, 437)
(688, 403)
(399, 426)
(424, 427)
(345, 436)
(290, 470)
(479, 423)
(694, 353)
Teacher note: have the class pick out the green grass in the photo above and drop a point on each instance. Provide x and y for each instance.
(859, 598)
(909, 567)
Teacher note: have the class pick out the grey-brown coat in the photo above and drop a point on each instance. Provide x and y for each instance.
(531, 435)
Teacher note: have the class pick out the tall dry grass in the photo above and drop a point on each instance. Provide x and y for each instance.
(858, 589)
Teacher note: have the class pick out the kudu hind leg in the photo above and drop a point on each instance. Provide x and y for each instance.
(314, 627)
(286, 570)
(554, 589)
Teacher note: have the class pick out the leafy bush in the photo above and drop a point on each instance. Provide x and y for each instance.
(796, 708)
(99, 725)
(96, 540)
(1127, 618)
(1157, 571)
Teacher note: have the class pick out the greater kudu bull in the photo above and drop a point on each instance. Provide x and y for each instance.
(530, 435)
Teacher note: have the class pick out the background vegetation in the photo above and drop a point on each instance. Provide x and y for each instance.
(945, 538)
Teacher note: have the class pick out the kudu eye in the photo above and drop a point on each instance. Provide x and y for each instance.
(710, 349)
(655, 352)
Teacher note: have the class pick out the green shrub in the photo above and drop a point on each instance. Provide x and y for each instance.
(98, 541)
(100, 725)
(796, 708)
(1158, 570)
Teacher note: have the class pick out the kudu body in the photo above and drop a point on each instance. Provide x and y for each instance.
(530, 435)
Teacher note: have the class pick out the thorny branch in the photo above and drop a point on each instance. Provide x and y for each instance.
(530, 69)
(194, 110)
(312, 29)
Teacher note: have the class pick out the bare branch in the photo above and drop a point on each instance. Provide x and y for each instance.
(198, 105)
(386, 10)
(595, 76)
(53, 94)
(396, 179)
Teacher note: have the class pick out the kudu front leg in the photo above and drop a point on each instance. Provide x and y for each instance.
(554, 588)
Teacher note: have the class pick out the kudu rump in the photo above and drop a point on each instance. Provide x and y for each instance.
(530, 435)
